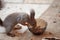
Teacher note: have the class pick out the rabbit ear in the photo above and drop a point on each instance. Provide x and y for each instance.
(32, 13)
(1, 4)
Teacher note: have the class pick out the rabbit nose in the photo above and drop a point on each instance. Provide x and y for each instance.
(26, 22)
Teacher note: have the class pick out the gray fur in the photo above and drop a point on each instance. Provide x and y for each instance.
(12, 19)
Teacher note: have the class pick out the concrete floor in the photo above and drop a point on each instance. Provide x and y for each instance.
(51, 16)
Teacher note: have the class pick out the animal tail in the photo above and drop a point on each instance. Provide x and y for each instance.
(1, 22)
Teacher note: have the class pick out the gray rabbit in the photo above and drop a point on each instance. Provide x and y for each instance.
(14, 18)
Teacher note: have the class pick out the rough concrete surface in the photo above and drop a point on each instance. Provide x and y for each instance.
(51, 16)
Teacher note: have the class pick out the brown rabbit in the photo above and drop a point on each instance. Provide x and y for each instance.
(36, 26)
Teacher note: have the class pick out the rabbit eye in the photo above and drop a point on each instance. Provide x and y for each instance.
(17, 27)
